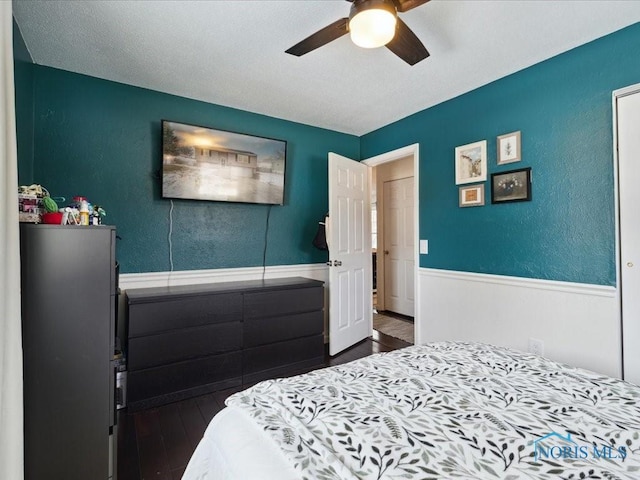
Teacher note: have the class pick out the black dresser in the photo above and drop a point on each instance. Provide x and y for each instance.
(189, 340)
(69, 285)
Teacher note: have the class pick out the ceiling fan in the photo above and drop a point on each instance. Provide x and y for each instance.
(372, 24)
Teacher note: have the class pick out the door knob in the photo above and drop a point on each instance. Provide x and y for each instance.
(337, 263)
(330, 263)
(629, 264)
(386, 252)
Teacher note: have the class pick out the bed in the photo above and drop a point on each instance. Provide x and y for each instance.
(442, 410)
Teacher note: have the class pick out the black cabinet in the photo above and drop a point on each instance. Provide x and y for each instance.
(68, 335)
(189, 340)
(282, 330)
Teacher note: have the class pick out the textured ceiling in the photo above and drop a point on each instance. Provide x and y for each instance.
(232, 52)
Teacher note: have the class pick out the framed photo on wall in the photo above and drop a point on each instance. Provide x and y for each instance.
(511, 186)
(509, 148)
(471, 196)
(471, 163)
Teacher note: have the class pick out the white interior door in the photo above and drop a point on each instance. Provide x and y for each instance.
(399, 245)
(628, 122)
(349, 239)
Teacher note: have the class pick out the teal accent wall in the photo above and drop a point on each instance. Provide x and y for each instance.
(23, 80)
(563, 108)
(101, 139)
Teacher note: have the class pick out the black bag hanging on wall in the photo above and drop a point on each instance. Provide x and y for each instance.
(320, 240)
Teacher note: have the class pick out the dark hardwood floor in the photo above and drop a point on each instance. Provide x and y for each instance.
(157, 443)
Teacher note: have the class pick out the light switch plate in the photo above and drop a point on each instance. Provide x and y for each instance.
(424, 247)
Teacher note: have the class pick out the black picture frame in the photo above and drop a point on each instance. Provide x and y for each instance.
(511, 186)
(203, 163)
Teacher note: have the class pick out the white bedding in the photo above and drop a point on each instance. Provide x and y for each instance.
(437, 411)
(235, 448)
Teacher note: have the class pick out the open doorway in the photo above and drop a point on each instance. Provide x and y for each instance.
(350, 282)
(393, 248)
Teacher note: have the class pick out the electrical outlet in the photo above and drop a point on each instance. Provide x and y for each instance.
(424, 247)
(536, 346)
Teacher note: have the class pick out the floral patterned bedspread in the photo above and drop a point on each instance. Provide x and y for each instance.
(451, 410)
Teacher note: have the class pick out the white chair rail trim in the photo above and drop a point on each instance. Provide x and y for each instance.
(541, 284)
(317, 271)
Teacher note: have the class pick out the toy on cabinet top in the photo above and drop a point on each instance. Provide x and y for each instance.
(36, 205)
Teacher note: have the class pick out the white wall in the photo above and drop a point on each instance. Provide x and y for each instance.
(578, 323)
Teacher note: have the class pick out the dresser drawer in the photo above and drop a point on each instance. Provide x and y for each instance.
(260, 331)
(189, 340)
(155, 382)
(174, 314)
(280, 354)
(185, 344)
(283, 302)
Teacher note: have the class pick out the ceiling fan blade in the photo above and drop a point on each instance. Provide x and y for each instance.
(406, 5)
(320, 38)
(406, 45)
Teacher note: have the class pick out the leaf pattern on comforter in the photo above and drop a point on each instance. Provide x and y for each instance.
(447, 410)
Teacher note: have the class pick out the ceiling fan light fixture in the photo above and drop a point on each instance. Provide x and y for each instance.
(372, 23)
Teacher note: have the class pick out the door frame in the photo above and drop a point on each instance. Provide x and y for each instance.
(384, 222)
(408, 151)
(622, 92)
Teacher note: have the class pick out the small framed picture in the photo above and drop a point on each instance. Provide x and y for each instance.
(471, 163)
(509, 148)
(472, 196)
(512, 186)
